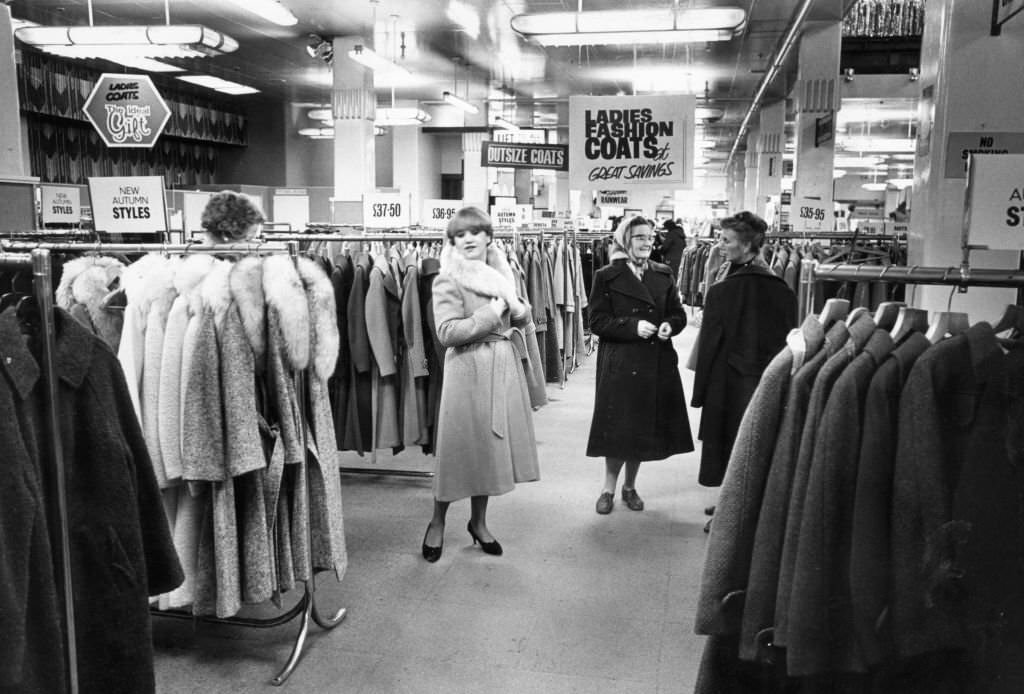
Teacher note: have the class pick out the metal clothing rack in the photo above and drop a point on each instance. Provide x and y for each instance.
(42, 285)
(306, 606)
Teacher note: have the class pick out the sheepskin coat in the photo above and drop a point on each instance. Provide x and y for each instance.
(486, 441)
(84, 292)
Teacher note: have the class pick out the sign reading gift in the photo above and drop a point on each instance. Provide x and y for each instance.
(617, 141)
(126, 110)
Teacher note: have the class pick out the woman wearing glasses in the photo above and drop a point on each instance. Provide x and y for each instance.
(639, 405)
(492, 379)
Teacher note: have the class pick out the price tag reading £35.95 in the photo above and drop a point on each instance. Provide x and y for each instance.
(810, 215)
(385, 210)
(437, 213)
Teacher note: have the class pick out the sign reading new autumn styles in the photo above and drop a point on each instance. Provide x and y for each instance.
(126, 110)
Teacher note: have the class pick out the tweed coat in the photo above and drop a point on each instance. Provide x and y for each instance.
(870, 560)
(860, 332)
(121, 551)
(486, 442)
(766, 551)
(639, 404)
(822, 637)
(731, 542)
(746, 318)
(957, 515)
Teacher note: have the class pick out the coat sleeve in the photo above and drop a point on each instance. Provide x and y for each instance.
(243, 449)
(412, 325)
(711, 336)
(603, 322)
(454, 327)
(675, 314)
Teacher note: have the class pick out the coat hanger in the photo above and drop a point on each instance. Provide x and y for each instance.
(1013, 317)
(854, 315)
(886, 313)
(946, 323)
(16, 293)
(909, 320)
(834, 309)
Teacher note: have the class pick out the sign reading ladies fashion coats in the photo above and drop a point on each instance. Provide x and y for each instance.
(128, 205)
(126, 110)
(620, 141)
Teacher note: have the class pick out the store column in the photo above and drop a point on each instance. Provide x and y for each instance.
(769, 154)
(474, 176)
(735, 177)
(17, 200)
(354, 105)
(817, 100)
(750, 164)
(970, 99)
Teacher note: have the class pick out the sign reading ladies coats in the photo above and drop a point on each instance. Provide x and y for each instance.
(623, 141)
(128, 204)
(126, 110)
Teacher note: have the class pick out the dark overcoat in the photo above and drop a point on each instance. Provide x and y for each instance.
(639, 405)
(746, 318)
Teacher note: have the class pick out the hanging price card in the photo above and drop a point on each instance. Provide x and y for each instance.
(437, 213)
(385, 210)
(809, 214)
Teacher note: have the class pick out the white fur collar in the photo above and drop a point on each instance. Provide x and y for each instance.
(191, 272)
(247, 291)
(216, 291)
(286, 298)
(100, 268)
(492, 278)
(136, 280)
(323, 318)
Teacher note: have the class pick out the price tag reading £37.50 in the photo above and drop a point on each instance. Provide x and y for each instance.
(385, 210)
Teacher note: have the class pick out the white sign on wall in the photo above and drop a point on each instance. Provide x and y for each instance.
(618, 141)
(994, 207)
(437, 213)
(504, 215)
(61, 204)
(385, 210)
(524, 214)
(128, 204)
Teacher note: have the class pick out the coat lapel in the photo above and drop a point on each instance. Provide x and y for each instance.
(625, 282)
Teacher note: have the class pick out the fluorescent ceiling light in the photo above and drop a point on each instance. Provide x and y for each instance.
(705, 113)
(270, 10)
(376, 62)
(317, 133)
(145, 64)
(465, 16)
(324, 114)
(857, 162)
(217, 84)
(874, 186)
(838, 173)
(617, 27)
(861, 143)
(460, 103)
(118, 41)
(901, 183)
(500, 122)
(401, 115)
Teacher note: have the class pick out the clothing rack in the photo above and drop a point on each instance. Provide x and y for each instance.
(42, 285)
(306, 606)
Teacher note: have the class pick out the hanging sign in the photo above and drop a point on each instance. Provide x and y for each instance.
(512, 155)
(1002, 11)
(809, 214)
(385, 210)
(533, 136)
(613, 198)
(617, 141)
(824, 129)
(128, 205)
(437, 213)
(60, 204)
(960, 146)
(994, 204)
(126, 110)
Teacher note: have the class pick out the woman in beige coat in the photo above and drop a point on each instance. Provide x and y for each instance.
(486, 440)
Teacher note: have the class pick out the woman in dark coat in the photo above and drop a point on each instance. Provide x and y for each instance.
(747, 315)
(639, 405)
(673, 244)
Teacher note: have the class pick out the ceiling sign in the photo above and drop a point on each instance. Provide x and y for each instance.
(1002, 11)
(510, 155)
(959, 147)
(126, 110)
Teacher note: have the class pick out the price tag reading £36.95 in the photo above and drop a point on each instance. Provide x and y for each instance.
(437, 213)
(385, 210)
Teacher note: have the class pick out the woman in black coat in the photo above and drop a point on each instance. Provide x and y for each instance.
(639, 405)
(672, 245)
(747, 315)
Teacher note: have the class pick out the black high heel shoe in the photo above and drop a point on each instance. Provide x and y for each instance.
(493, 547)
(431, 554)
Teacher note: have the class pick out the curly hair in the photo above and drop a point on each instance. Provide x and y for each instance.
(748, 227)
(231, 216)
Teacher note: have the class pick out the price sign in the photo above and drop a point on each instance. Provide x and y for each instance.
(385, 210)
(809, 214)
(995, 201)
(437, 213)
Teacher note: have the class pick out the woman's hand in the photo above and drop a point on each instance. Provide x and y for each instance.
(646, 329)
(499, 305)
(665, 331)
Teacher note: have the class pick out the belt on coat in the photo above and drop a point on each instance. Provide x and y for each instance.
(499, 410)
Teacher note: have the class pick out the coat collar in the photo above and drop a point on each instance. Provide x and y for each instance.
(492, 277)
(629, 284)
(879, 346)
(72, 356)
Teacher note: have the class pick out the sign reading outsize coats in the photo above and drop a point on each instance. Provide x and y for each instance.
(128, 204)
(126, 110)
(621, 141)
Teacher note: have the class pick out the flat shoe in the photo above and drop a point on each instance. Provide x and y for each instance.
(605, 502)
(633, 500)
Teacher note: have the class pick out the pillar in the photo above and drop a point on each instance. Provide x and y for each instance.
(735, 177)
(769, 154)
(750, 165)
(474, 181)
(967, 90)
(816, 99)
(354, 105)
(17, 196)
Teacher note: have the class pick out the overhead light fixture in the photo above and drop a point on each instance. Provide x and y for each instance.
(466, 16)
(270, 10)
(875, 186)
(705, 113)
(376, 62)
(459, 102)
(500, 122)
(838, 173)
(114, 42)
(322, 114)
(618, 27)
(317, 133)
(900, 183)
(218, 84)
(147, 64)
(401, 115)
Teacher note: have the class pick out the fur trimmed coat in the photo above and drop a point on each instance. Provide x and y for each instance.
(486, 442)
(84, 292)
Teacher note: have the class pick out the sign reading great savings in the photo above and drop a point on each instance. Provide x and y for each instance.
(617, 141)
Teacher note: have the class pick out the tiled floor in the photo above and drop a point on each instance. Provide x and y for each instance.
(578, 603)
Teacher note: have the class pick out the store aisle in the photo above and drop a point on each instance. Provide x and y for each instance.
(578, 603)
